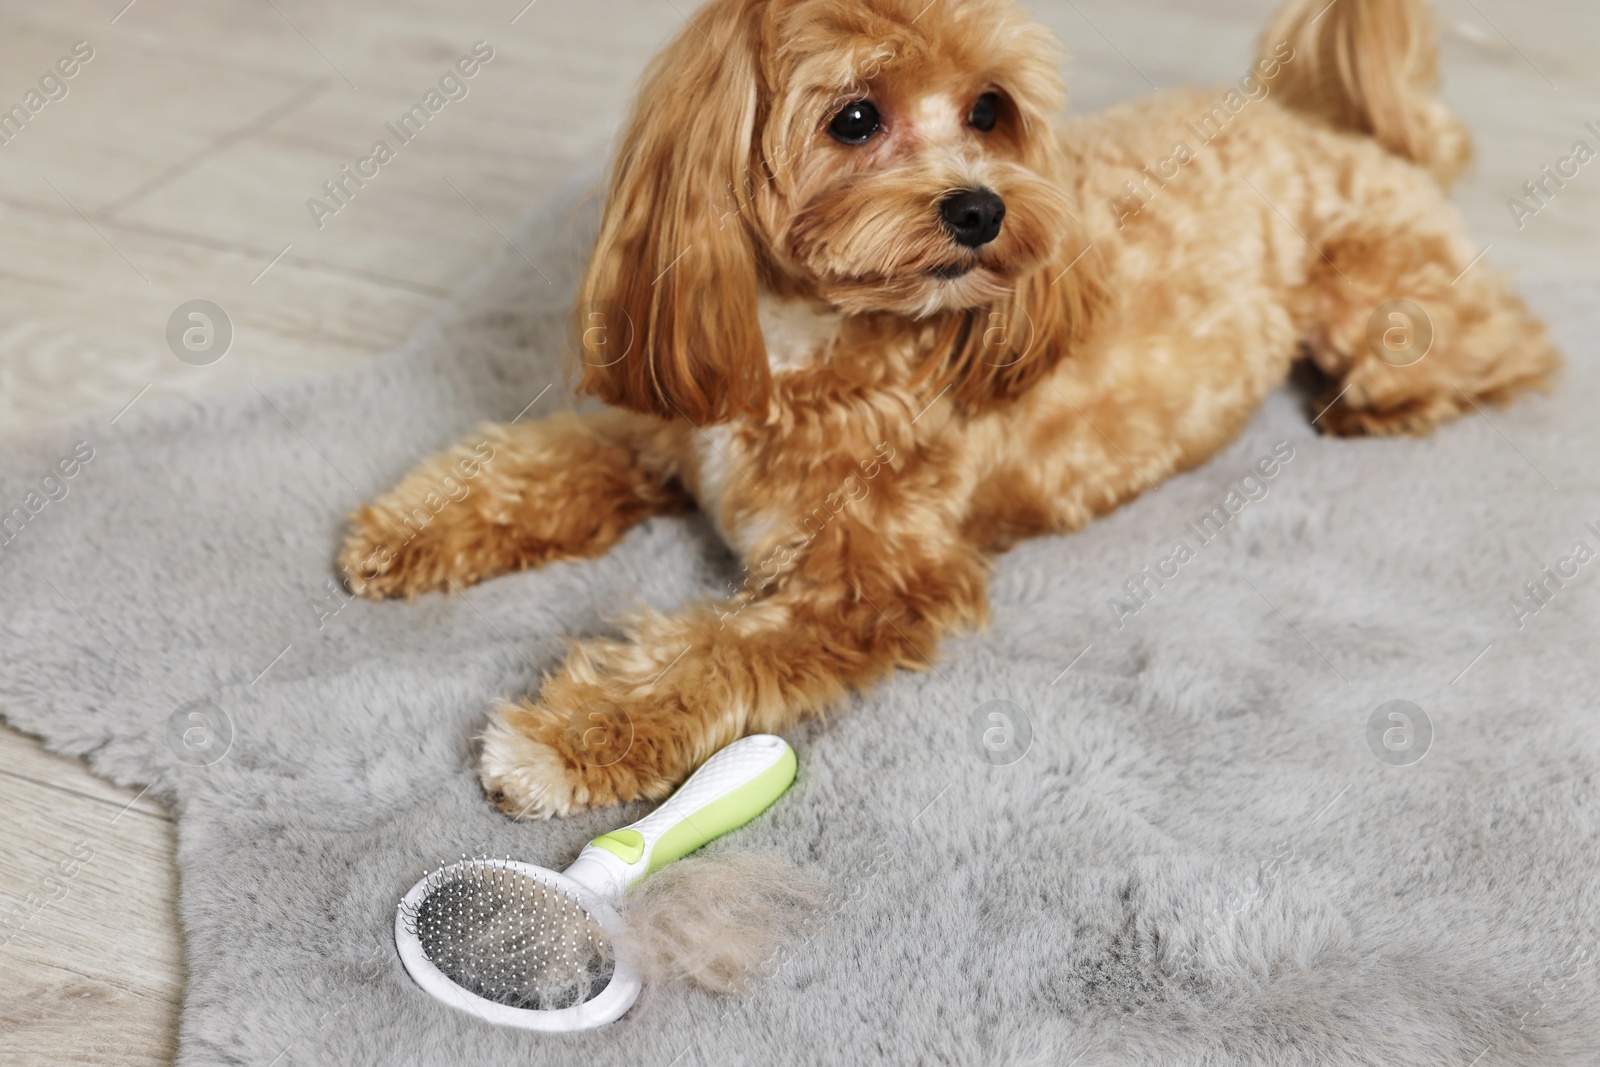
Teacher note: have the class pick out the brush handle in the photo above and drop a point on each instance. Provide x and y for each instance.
(729, 789)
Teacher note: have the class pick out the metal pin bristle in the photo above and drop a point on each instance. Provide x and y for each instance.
(509, 937)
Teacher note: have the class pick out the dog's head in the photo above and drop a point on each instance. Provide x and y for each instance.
(891, 157)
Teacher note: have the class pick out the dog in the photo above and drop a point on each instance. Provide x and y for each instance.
(863, 297)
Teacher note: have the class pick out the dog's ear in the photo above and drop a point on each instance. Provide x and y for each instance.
(997, 353)
(666, 318)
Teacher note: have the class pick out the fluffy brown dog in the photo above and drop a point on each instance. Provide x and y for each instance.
(860, 297)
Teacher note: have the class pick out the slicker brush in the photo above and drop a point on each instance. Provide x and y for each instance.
(500, 932)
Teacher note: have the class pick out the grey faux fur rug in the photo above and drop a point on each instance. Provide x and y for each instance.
(1200, 858)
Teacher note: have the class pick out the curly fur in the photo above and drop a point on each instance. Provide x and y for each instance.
(1159, 269)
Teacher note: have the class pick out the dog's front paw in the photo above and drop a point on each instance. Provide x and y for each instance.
(382, 558)
(537, 762)
(524, 777)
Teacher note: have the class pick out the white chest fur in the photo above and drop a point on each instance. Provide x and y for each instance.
(715, 462)
(718, 453)
(797, 332)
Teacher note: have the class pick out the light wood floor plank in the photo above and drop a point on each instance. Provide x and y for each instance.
(26, 759)
(92, 955)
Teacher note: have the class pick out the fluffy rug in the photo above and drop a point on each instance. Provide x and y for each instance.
(1197, 833)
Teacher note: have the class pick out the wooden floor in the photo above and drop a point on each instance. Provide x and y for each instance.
(178, 167)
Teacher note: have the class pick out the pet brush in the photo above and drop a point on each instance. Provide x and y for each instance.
(520, 945)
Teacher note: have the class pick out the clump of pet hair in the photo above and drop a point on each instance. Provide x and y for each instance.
(720, 921)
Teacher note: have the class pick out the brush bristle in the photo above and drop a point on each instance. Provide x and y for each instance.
(509, 937)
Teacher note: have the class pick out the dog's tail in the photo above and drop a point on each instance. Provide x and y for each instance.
(1369, 66)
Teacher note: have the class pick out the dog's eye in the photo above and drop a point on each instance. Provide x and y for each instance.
(984, 112)
(855, 123)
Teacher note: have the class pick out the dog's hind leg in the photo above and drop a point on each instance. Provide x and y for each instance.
(509, 498)
(1409, 322)
(1401, 313)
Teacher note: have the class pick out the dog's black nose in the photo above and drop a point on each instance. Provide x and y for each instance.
(973, 217)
